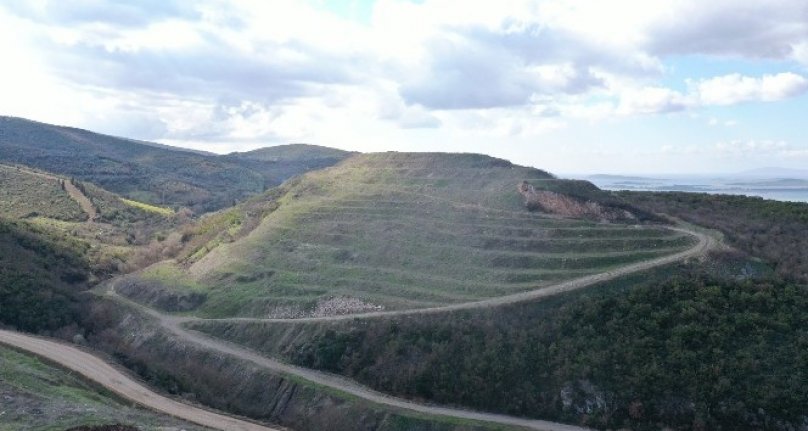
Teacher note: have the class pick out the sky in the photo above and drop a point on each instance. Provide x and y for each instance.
(571, 86)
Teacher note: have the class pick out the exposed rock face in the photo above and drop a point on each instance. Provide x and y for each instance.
(568, 206)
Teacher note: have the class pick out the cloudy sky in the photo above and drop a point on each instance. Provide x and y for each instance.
(573, 86)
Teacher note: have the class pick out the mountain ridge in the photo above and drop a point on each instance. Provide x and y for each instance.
(145, 171)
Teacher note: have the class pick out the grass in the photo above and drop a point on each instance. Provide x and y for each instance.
(39, 396)
(170, 275)
(24, 194)
(400, 231)
(167, 212)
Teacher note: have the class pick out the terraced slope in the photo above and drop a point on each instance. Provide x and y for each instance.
(395, 231)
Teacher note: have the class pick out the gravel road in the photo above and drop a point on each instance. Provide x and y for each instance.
(704, 244)
(99, 371)
(96, 370)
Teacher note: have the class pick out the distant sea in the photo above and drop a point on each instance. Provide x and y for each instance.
(781, 189)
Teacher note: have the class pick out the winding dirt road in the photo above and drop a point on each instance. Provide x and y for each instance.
(342, 384)
(174, 324)
(704, 244)
(99, 371)
(96, 370)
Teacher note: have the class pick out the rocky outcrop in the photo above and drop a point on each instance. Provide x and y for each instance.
(568, 206)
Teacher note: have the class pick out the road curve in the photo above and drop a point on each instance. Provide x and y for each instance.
(704, 244)
(174, 324)
(97, 370)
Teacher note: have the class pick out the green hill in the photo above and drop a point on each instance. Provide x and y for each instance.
(395, 231)
(111, 229)
(143, 171)
(294, 153)
(26, 194)
(279, 163)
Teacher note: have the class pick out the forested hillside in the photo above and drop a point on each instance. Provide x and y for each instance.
(677, 348)
(147, 172)
(41, 278)
(772, 230)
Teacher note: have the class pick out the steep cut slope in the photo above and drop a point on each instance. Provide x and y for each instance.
(39, 396)
(143, 171)
(397, 231)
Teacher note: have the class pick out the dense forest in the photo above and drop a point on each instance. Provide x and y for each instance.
(772, 230)
(41, 278)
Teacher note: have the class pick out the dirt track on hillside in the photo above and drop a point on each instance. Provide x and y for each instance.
(96, 370)
(174, 324)
(705, 243)
(77, 195)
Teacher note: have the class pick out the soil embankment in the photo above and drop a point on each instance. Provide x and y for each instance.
(107, 376)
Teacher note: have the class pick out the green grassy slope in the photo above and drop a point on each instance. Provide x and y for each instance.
(40, 397)
(399, 230)
(121, 230)
(24, 194)
(143, 171)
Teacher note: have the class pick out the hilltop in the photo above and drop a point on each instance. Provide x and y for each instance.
(397, 231)
(293, 153)
(145, 171)
(279, 163)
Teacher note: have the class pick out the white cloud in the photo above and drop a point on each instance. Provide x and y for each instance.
(249, 71)
(736, 88)
(651, 100)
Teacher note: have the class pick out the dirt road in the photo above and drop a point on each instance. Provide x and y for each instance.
(174, 325)
(104, 374)
(704, 244)
(84, 202)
